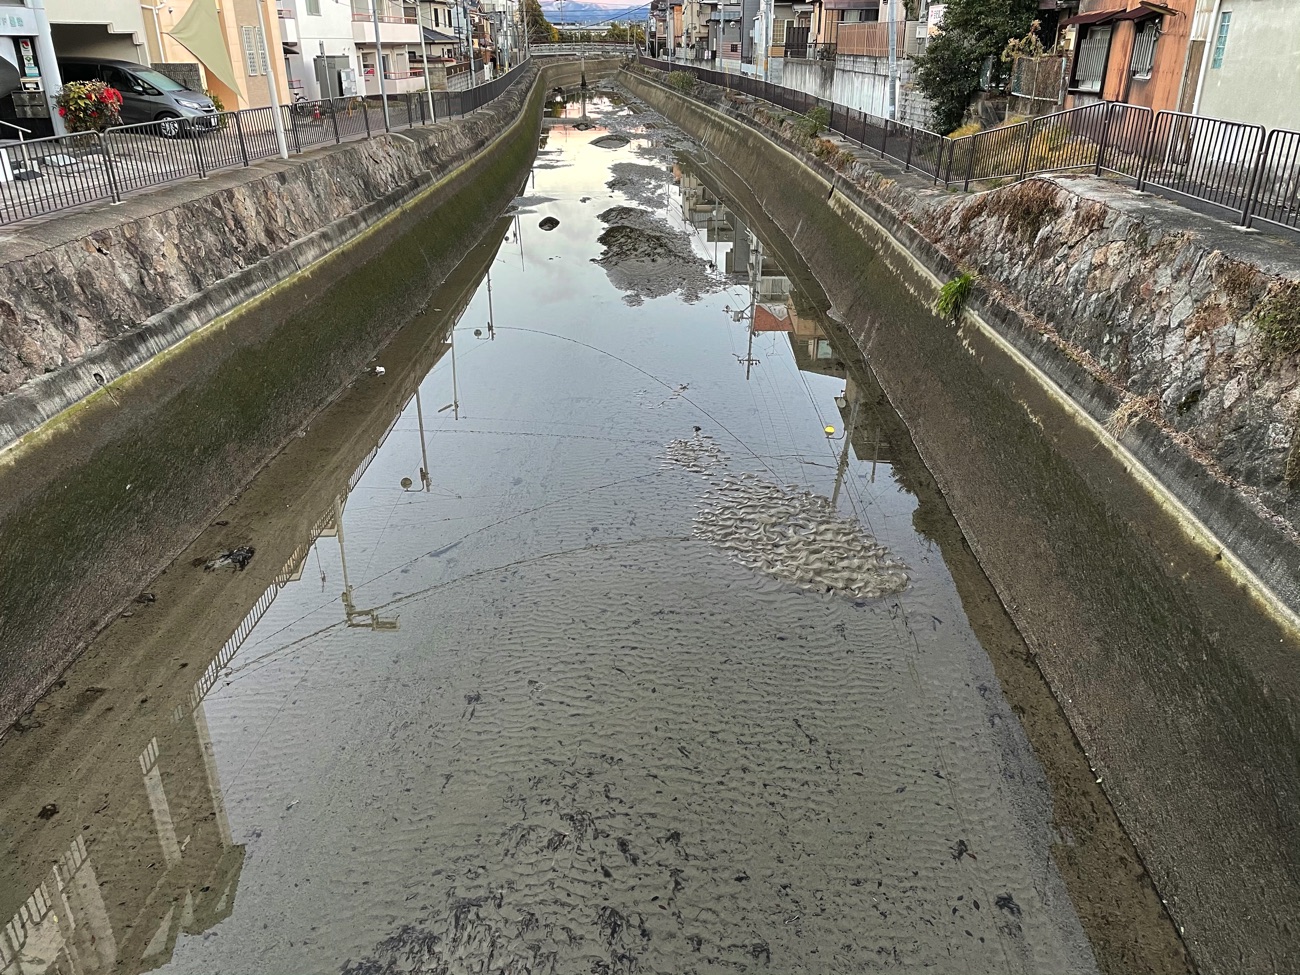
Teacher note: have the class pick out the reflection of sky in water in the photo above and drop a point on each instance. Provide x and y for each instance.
(527, 692)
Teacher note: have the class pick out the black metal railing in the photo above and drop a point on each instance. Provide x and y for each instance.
(42, 176)
(1211, 164)
(808, 51)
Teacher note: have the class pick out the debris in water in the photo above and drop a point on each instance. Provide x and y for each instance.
(380, 370)
(1006, 902)
(48, 811)
(648, 258)
(236, 558)
(960, 849)
(146, 597)
(548, 223)
(611, 141)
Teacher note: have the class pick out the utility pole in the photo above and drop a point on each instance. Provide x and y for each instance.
(892, 95)
(469, 42)
(280, 141)
(424, 59)
(379, 60)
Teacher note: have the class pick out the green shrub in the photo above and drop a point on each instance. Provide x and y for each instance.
(816, 120)
(683, 81)
(951, 300)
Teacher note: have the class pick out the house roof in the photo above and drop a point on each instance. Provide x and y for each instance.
(1145, 10)
(772, 318)
(432, 36)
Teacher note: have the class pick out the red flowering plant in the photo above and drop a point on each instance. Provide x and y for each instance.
(89, 106)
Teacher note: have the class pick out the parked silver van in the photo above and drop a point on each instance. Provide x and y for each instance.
(147, 95)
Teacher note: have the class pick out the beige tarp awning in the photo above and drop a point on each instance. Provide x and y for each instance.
(200, 31)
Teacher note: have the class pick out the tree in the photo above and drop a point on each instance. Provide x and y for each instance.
(626, 34)
(974, 31)
(540, 30)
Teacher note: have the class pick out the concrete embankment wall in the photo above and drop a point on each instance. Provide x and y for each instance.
(237, 309)
(1179, 683)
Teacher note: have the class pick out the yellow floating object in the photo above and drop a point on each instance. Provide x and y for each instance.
(830, 431)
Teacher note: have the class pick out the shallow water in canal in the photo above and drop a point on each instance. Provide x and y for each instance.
(620, 651)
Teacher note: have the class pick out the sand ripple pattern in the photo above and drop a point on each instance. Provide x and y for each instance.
(798, 537)
(790, 533)
(700, 454)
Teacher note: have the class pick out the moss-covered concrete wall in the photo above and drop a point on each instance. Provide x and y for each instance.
(1179, 682)
(97, 500)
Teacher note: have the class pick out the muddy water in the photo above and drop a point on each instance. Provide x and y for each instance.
(625, 643)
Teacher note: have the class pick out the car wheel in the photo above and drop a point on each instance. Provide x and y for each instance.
(169, 125)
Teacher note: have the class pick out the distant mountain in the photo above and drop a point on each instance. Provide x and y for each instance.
(586, 12)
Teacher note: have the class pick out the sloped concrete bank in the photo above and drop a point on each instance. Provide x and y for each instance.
(238, 310)
(1085, 482)
(101, 292)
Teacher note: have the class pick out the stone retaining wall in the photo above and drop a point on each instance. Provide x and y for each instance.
(1085, 511)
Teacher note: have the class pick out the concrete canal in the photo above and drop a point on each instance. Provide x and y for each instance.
(609, 622)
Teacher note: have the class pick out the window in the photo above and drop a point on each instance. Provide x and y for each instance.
(254, 51)
(77, 72)
(778, 32)
(1144, 49)
(1221, 39)
(313, 8)
(1090, 63)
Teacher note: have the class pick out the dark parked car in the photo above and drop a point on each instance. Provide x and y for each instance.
(147, 95)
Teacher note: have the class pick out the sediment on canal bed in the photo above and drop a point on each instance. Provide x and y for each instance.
(1062, 422)
(107, 492)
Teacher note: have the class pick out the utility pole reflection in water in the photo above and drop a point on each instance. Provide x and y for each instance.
(843, 466)
(368, 619)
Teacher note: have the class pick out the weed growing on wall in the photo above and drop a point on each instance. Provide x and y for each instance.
(953, 296)
(683, 81)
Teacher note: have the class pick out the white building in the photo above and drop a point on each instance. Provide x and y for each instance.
(320, 48)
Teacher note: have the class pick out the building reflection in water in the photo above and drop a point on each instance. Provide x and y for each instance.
(169, 815)
(161, 861)
(777, 307)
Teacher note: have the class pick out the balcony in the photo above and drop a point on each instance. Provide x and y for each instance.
(393, 29)
(288, 26)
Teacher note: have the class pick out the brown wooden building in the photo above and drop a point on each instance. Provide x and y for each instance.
(1133, 51)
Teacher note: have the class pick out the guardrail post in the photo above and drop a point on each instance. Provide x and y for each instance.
(1148, 147)
(1248, 211)
(365, 114)
(334, 118)
(110, 166)
(239, 131)
(911, 142)
(1024, 156)
(198, 149)
(293, 127)
(1104, 144)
